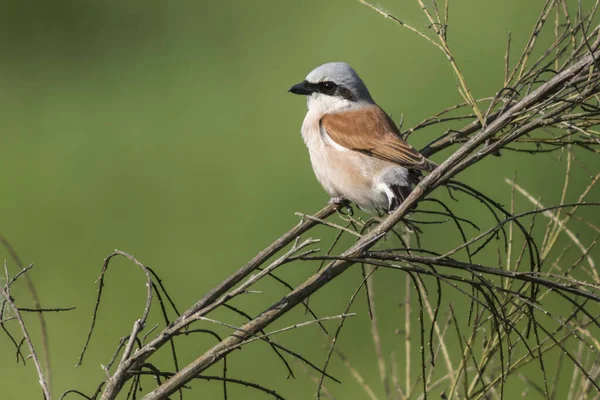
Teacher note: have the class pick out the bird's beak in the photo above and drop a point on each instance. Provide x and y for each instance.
(302, 88)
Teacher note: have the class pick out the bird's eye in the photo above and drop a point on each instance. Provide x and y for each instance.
(327, 87)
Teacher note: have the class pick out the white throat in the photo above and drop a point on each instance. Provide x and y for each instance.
(321, 104)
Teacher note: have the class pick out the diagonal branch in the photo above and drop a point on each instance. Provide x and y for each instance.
(332, 270)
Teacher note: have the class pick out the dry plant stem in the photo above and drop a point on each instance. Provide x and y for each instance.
(440, 29)
(561, 224)
(562, 324)
(356, 375)
(558, 224)
(395, 374)
(116, 382)
(259, 259)
(438, 333)
(375, 334)
(572, 388)
(529, 277)
(330, 224)
(255, 278)
(555, 219)
(507, 60)
(437, 117)
(463, 88)
(551, 337)
(37, 304)
(135, 360)
(333, 341)
(451, 166)
(287, 328)
(323, 390)
(401, 23)
(407, 334)
(525, 359)
(509, 249)
(156, 373)
(38, 367)
(522, 63)
(442, 343)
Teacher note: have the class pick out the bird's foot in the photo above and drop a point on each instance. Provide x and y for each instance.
(339, 200)
(343, 203)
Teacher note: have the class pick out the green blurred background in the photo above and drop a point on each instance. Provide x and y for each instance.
(165, 129)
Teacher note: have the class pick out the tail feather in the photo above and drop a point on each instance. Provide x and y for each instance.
(400, 193)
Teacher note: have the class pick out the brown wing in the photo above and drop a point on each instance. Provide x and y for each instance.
(371, 131)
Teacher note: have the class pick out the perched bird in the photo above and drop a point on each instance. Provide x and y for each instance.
(355, 148)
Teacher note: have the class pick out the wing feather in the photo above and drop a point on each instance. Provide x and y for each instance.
(371, 131)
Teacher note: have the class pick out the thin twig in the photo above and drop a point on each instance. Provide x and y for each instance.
(4, 292)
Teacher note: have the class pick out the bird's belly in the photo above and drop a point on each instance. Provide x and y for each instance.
(349, 174)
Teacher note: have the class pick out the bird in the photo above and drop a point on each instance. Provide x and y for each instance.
(356, 150)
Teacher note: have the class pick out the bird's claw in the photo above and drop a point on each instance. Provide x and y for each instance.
(339, 200)
(344, 205)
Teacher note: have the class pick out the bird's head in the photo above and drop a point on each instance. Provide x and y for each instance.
(332, 88)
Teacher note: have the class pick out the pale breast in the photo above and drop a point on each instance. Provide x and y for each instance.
(343, 172)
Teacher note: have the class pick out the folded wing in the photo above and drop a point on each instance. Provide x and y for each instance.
(371, 131)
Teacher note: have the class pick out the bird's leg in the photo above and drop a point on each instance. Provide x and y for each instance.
(344, 203)
(340, 200)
